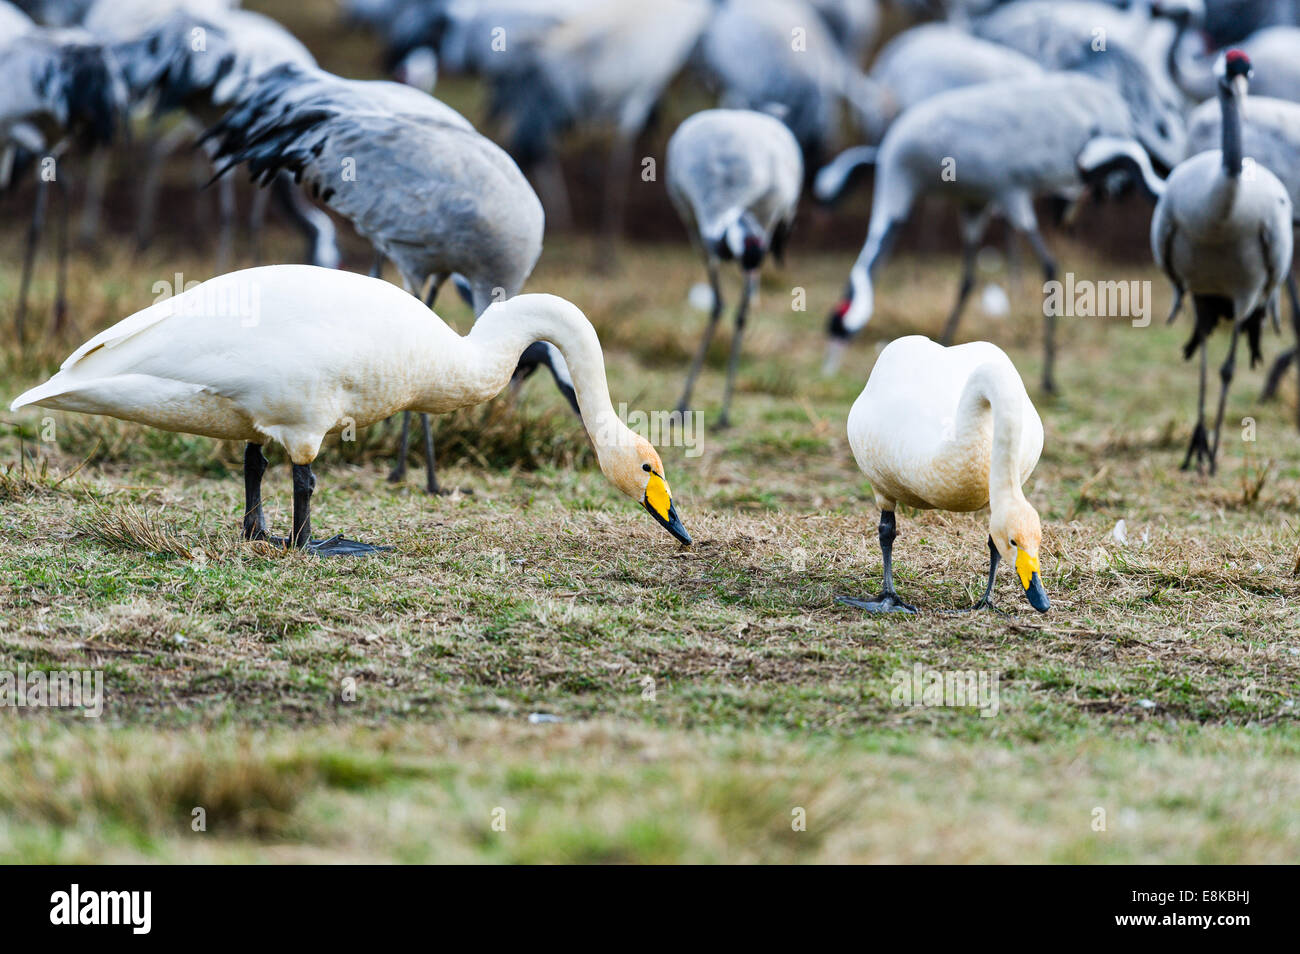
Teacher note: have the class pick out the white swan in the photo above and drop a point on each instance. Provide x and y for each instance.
(950, 429)
(291, 353)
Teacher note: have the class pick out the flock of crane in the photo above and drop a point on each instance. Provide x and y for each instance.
(994, 105)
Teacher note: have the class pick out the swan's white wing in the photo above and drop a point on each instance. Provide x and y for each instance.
(126, 328)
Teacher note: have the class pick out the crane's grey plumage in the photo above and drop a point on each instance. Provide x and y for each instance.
(734, 176)
(1274, 51)
(990, 147)
(930, 59)
(1224, 238)
(1065, 36)
(432, 196)
(778, 56)
(200, 64)
(853, 23)
(605, 67)
(56, 87)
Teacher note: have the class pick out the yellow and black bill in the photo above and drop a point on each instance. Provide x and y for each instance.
(1028, 571)
(659, 503)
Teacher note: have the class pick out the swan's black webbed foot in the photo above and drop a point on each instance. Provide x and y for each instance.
(339, 545)
(884, 603)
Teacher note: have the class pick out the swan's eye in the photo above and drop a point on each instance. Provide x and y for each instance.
(646, 468)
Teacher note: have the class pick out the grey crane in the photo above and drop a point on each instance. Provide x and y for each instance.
(1106, 43)
(434, 197)
(1226, 239)
(779, 56)
(605, 67)
(1271, 138)
(991, 147)
(1272, 49)
(734, 176)
(929, 59)
(58, 89)
(200, 64)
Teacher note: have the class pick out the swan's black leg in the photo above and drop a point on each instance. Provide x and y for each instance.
(254, 518)
(887, 601)
(304, 484)
(986, 601)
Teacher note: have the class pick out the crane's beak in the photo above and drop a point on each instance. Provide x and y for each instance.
(1240, 86)
(659, 504)
(1027, 570)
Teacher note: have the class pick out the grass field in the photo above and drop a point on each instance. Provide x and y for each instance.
(699, 702)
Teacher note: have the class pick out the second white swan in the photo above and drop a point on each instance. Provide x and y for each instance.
(950, 429)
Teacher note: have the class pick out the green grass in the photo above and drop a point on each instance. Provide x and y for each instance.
(324, 710)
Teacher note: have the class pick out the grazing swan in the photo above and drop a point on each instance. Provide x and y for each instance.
(291, 353)
(950, 429)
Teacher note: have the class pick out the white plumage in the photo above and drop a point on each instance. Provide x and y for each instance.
(292, 353)
(950, 429)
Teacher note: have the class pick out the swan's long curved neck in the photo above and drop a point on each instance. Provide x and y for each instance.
(492, 348)
(990, 391)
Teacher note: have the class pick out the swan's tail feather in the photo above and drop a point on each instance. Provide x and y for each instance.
(40, 394)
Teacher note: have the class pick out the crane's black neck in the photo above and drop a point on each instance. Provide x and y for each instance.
(1231, 106)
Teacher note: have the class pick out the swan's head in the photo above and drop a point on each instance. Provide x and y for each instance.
(1018, 533)
(633, 466)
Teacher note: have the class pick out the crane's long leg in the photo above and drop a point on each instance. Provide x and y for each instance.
(404, 445)
(316, 227)
(146, 198)
(430, 466)
(972, 231)
(257, 222)
(92, 206)
(34, 230)
(1019, 210)
(398, 473)
(1226, 372)
(887, 601)
(715, 314)
(1285, 358)
(1200, 445)
(742, 313)
(1049, 320)
(620, 161)
(61, 272)
(226, 219)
